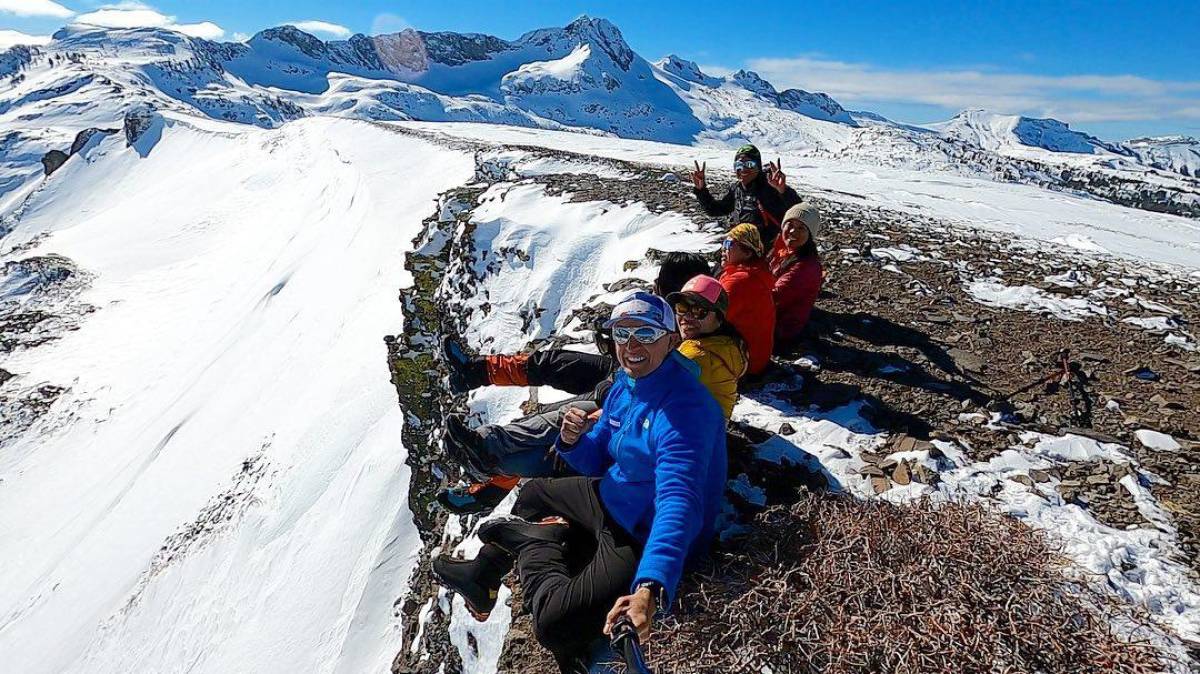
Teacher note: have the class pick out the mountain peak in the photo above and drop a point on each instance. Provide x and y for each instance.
(308, 44)
(599, 33)
(992, 130)
(685, 70)
(754, 82)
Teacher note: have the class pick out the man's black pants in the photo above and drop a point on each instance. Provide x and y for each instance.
(572, 371)
(570, 589)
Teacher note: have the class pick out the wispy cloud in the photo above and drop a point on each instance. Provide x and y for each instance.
(1074, 98)
(322, 27)
(35, 8)
(139, 15)
(12, 38)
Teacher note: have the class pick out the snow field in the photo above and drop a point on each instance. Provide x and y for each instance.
(244, 282)
(1057, 219)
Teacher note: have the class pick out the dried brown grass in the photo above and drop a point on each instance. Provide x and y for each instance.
(835, 585)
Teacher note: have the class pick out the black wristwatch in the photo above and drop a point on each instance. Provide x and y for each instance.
(658, 592)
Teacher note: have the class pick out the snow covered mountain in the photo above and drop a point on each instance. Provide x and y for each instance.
(1009, 133)
(582, 76)
(1170, 153)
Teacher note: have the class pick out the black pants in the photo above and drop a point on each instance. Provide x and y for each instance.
(570, 589)
(571, 371)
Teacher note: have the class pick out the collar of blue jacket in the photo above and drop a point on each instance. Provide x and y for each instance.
(659, 449)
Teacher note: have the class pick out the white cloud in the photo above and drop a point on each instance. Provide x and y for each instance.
(322, 27)
(12, 38)
(204, 29)
(241, 37)
(388, 23)
(1072, 98)
(35, 8)
(139, 15)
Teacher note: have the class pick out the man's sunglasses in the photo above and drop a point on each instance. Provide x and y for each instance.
(645, 334)
(744, 164)
(694, 310)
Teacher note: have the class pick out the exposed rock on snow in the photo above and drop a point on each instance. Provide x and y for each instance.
(52, 160)
(143, 128)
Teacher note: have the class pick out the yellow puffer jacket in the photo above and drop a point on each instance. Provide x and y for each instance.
(722, 361)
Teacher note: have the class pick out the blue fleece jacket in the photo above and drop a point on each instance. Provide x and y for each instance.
(660, 448)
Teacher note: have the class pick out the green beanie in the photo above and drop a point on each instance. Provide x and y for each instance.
(750, 152)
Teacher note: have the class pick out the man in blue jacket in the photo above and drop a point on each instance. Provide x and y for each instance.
(652, 474)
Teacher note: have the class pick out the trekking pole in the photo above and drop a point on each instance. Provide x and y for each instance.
(625, 643)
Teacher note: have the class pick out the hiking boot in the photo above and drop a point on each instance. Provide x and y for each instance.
(466, 372)
(513, 533)
(477, 580)
(465, 446)
(472, 499)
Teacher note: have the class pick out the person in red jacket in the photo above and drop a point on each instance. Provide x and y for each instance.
(797, 269)
(748, 282)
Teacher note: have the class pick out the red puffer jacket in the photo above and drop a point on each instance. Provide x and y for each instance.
(797, 283)
(751, 309)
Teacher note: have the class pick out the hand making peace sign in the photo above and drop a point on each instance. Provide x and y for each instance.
(776, 177)
(698, 175)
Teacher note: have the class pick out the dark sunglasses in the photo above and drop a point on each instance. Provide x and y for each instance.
(744, 164)
(694, 310)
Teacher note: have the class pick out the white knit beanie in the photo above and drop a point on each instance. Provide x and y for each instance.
(808, 214)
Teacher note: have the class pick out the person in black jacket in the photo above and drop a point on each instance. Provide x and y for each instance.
(759, 196)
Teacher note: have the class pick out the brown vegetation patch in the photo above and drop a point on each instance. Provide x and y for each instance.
(833, 584)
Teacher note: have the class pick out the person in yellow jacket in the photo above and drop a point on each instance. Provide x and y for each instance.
(709, 340)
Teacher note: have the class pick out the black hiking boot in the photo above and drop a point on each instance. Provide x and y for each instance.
(472, 499)
(477, 580)
(513, 533)
(466, 372)
(465, 446)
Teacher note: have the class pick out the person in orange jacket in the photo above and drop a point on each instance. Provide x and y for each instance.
(748, 281)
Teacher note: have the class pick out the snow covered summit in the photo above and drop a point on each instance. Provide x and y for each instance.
(583, 77)
(998, 132)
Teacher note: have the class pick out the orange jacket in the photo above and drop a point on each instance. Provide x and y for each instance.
(751, 309)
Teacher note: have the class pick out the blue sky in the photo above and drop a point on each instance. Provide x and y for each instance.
(1115, 69)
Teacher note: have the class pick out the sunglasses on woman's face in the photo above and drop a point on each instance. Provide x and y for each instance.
(744, 164)
(694, 310)
(645, 334)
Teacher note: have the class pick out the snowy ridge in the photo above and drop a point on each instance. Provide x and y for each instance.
(1013, 132)
(216, 455)
(582, 76)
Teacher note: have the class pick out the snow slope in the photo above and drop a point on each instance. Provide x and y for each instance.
(1053, 218)
(222, 486)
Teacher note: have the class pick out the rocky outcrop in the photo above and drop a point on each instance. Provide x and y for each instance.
(455, 49)
(143, 129)
(137, 122)
(84, 137)
(53, 160)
